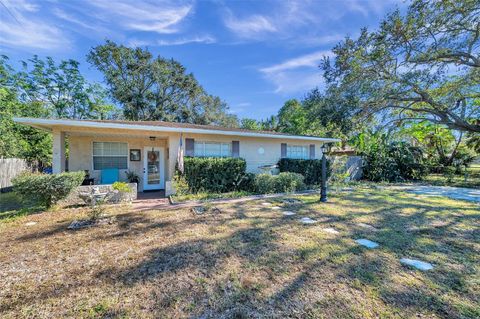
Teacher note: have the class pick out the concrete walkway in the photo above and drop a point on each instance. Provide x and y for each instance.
(468, 194)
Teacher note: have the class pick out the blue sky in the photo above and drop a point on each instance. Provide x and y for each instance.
(253, 54)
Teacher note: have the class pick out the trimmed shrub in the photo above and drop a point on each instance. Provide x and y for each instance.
(283, 183)
(310, 169)
(214, 174)
(47, 189)
(264, 184)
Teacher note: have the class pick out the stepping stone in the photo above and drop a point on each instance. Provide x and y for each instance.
(331, 230)
(367, 243)
(288, 213)
(276, 208)
(367, 226)
(266, 204)
(307, 220)
(30, 223)
(421, 265)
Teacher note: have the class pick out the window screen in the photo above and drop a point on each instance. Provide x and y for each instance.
(212, 149)
(297, 151)
(110, 155)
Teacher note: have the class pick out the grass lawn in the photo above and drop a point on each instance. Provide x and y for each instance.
(12, 207)
(247, 260)
(472, 180)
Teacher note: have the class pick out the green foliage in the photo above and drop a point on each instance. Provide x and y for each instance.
(156, 88)
(214, 174)
(391, 161)
(62, 89)
(421, 64)
(292, 118)
(121, 187)
(282, 183)
(250, 124)
(180, 184)
(47, 189)
(311, 169)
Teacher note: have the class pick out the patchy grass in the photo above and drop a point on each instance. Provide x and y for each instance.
(12, 207)
(248, 261)
(470, 180)
(204, 196)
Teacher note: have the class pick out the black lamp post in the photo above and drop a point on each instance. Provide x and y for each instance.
(323, 190)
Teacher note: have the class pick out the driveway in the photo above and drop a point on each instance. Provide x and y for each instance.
(469, 194)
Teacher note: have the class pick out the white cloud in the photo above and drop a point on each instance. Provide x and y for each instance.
(160, 17)
(205, 39)
(296, 74)
(308, 60)
(249, 27)
(21, 27)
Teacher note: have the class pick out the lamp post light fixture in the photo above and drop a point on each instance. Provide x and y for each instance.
(323, 190)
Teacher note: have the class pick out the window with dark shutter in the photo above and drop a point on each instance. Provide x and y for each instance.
(235, 149)
(283, 150)
(312, 151)
(189, 147)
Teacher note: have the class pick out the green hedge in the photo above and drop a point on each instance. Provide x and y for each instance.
(215, 174)
(283, 183)
(310, 169)
(47, 189)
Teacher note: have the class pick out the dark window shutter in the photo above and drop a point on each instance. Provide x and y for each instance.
(189, 147)
(235, 149)
(283, 152)
(312, 151)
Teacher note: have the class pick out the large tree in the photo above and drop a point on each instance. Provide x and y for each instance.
(61, 89)
(156, 88)
(421, 65)
(19, 140)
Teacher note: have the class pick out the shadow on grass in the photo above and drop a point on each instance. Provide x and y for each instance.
(198, 271)
(12, 206)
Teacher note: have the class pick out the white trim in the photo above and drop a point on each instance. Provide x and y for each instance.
(152, 128)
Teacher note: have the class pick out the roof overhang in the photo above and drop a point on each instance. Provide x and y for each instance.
(50, 124)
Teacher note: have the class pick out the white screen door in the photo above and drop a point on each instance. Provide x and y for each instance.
(153, 168)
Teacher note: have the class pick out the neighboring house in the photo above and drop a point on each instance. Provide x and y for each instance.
(150, 148)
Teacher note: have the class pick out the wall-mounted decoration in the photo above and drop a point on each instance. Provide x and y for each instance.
(135, 155)
(261, 151)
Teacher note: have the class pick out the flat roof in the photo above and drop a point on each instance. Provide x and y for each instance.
(160, 126)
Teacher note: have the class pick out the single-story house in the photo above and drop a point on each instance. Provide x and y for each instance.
(150, 148)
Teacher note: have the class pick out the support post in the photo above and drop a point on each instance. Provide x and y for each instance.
(58, 160)
(323, 194)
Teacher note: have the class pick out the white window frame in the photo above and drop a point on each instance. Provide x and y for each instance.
(204, 143)
(294, 153)
(128, 150)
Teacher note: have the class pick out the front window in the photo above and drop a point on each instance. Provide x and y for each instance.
(110, 155)
(212, 149)
(297, 151)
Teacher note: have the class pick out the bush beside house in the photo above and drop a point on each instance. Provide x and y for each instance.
(310, 169)
(221, 175)
(47, 189)
(283, 183)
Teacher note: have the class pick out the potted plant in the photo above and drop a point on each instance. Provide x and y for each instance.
(132, 177)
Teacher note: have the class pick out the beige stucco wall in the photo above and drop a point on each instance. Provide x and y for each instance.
(249, 148)
(80, 146)
(81, 157)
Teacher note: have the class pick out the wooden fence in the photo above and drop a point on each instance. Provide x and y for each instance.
(11, 167)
